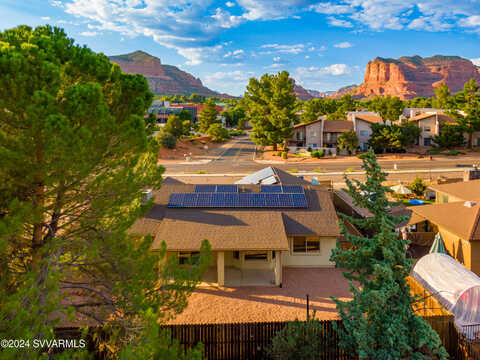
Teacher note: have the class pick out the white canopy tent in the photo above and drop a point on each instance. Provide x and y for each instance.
(456, 287)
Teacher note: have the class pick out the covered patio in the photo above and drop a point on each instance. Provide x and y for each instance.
(235, 277)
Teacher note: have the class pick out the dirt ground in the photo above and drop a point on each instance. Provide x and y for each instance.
(200, 147)
(251, 304)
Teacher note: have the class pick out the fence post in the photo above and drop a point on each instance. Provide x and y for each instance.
(308, 308)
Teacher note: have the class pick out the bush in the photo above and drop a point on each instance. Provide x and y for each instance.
(309, 149)
(302, 341)
(318, 154)
(167, 140)
(236, 132)
(418, 186)
(284, 155)
(279, 153)
(329, 152)
(218, 132)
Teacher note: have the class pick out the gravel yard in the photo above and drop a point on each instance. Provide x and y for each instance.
(251, 304)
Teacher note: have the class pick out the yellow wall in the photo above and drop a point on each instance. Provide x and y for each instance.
(460, 250)
(321, 259)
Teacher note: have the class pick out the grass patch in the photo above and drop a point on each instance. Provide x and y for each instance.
(200, 172)
(294, 171)
(350, 170)
(319, 171)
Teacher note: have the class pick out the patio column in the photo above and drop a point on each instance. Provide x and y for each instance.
(278, 268)
(221, 268)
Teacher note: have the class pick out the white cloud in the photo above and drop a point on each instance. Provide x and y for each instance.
(276, 58)
(476, 61)
(471, 21)
(286, 49)
(236, 54)
(339, 22)
(330, 9)
(307, 57)
(343, 45)
(45, 18)
(232, 64)
(89, 33)
(313, 72)
(233, 82)
(275, 66)
(226, 20)
(230, 4)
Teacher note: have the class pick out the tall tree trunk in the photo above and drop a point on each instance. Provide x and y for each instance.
(275, 147)
(38, 208)
(470, 140)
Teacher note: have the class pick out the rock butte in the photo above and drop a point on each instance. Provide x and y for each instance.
(409, 77)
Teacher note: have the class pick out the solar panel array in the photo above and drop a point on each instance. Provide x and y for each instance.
(287, 189)
(216, 188)
(237, 200)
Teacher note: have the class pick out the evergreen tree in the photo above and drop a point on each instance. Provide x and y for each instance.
(389, 108)
(450, 136)
(379, 322)
(76, 154)
(348, 140)
(174, 126)
(271, 108)
(468, 102)
(207, 116)
(185, 115)
(443, 99)
(312, 110)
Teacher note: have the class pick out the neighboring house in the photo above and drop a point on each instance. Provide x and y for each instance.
(307, 134)
(456, 215)
(332, 130)
(254, 229)
(362, 122)
(412, 112)
(429, 124)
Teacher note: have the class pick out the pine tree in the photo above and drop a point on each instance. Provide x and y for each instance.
(379, 322)
(271, 108)
(75, 155)
(208, 115)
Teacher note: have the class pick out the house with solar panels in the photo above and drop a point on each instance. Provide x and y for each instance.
(254, 229)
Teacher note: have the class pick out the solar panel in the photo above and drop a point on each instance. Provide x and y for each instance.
(245, 200)
(299, 200)
(190, 200)
(271, 200)
(231, 199)
(205, 188)
(204, 199)
(292, 189)
(176, 200)
(270, 189)
(227, 188)
(218, 200)
(285, 200)
(258, 200)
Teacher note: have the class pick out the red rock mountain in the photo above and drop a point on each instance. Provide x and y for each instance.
(301, 92)
(409, 77)
(162, 79)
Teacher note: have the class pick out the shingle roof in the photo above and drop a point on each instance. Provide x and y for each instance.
(305, 124)
(337, 126)
(182, 228)
(374, 119)
(441, 117)
(466, 190)
(464, 222)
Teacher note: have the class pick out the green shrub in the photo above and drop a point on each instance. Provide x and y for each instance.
(309, 149)
(279, 153)
(318, 154)
(218, 132)
(418, 186)
(350, 170)
(284, 155)
(294, 171)
(301, 340)
(329, 152)
(236, 132)
(167, 140)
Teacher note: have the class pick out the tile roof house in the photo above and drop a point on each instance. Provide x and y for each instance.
(429, 124)
(456, 216)
(266, 237)
(362, 121)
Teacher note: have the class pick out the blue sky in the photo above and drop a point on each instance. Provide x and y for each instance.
(323, 44)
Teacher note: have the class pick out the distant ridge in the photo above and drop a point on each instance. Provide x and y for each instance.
(162, 79)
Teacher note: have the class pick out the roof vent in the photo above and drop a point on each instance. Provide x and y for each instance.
(469, 204)
(146, 196)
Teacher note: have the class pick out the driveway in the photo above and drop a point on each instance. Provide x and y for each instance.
(209, 305)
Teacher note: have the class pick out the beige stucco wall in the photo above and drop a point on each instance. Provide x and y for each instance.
(314, 134)
(459, 249)
(362, 126)
(429, 122)
(321, 259)
(441, 197)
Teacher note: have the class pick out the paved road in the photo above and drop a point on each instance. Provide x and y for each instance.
(238, 158)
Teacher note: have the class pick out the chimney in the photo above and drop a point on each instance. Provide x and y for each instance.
(146, 196)
(469, 204)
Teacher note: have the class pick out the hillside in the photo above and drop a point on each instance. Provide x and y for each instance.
(162, 79)
(409, 77)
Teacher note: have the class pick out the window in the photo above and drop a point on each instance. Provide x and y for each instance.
(313, 145)
(426, 128)
(256, 255)
(313, 133)
(363, 133)
(188, 257)
(305, 246)
(236, 255)
(427, 141)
